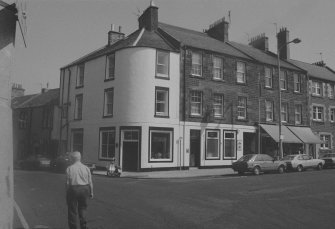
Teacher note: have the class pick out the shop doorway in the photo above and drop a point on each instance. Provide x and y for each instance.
(195, 148)
(130, 149)
(249, 143)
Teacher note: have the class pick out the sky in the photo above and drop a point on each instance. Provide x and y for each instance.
(61, 31)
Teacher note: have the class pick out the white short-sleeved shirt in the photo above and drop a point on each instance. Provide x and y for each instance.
(78, 174)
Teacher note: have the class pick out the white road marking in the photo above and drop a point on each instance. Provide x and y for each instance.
(21, 217)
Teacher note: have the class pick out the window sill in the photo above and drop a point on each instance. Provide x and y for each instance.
(196, 76)
(268, 88)
(297, 92)
(196, 116)
(318, 121)
(107, 116)
(109, 79)
(213, 159)
(316, 96)
(77, 87)
(242, 83)
(242, 119)
(229, 158)
(77, 119)
(160, 161)
(161, 116)
(218, 80)
(163, 77)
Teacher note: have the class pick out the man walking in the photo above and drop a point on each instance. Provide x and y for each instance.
(79, 187)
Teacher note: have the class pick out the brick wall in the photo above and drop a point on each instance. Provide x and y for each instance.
(232, 90)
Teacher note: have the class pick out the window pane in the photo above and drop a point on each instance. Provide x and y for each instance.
(162, 102)
(218, 106)
(162, 63)
(196, 64)
(196, 103)
(160, 145)
(212, 148)
(229, 145)
(111, 67)
(268, 77)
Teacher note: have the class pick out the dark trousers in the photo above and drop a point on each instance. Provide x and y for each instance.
(76, 198)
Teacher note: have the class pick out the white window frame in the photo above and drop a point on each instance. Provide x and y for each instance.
(217, 138)
(163, 131)
(196, 64)
(330, 91)
(218, 68)
(108, 105)
(283, 80)
(318, 113)
(80, 75)
(165, 102)
(164, 65)
(298, 114)
(73, 132)
(297, 82)
(284, 112)
(332, 114)
(196, 102)
(242, 108)
(229, 139)
(218, 104)
(316, 88)
(268, 77)
(109, 146)
(78, 107)
(326, 138)
(110, 68)
(241, 72)
(269, 110)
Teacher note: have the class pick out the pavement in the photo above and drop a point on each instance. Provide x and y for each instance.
(192, 172)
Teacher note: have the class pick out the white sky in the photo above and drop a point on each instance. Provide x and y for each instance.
(61, 31)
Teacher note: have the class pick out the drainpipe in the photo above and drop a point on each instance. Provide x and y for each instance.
(61, 80)
(184, 105)
(67, 115)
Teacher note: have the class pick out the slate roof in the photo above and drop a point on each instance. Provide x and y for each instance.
(146, 39)
(36, 100)
(200, 40)
(262, 56)
(315, 70)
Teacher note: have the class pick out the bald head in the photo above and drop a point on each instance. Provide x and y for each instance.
(76, 156)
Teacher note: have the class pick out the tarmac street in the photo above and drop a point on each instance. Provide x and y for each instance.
(290, 200)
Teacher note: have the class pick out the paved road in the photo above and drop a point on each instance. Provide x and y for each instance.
(292, 200)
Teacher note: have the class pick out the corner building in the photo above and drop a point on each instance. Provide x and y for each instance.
(165, 97)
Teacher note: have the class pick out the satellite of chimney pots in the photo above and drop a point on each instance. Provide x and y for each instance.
(216, 23)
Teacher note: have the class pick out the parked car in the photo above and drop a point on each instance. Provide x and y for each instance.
(60, 163)
(329, 159)
(257, 163)
(35, 162)
(299, 162)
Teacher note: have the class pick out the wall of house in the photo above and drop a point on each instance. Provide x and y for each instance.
(326, 126)
(134, 101)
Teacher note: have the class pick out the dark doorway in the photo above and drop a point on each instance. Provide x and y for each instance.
(195, 148)
(130, 149)
(249, 143)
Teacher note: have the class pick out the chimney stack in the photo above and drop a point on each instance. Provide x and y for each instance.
(260, 42)
(149, 18)
(219, 30)
(282, 39)
(17, 90)
(114, 36)
(320, 63)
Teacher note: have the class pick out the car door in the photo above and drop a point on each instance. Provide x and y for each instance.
(308, 161)
(269, 163)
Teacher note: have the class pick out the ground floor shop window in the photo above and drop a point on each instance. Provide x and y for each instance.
(212, 144)
(77, 140)
(107, 143)
(229, 144)
(160, 146)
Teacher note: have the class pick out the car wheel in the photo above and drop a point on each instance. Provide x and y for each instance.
(319, 166)
(257, 170)
(299, 168)
(281, 169)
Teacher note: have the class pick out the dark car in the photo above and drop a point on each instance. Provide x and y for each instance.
(35, 162)
(329, 159)
(257, 163)
(60, 163)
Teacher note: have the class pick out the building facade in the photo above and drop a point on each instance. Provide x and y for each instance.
(166, 97)
(36, 124)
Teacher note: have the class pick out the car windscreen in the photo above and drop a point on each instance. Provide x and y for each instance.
(246, 157)
(288, 157)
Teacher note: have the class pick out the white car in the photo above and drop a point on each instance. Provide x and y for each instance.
(299, 162)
